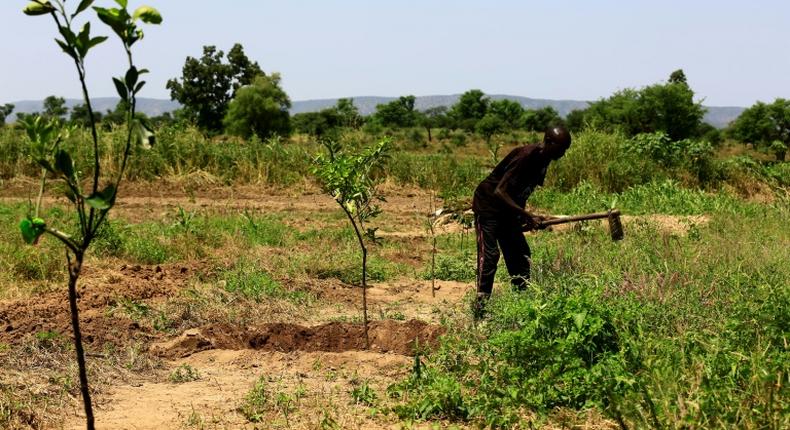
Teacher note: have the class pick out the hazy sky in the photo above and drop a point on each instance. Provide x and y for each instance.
(733, 52)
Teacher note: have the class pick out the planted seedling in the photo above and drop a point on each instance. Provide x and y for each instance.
(351, 179)
(91, 196)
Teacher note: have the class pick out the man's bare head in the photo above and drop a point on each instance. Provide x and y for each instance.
(556, 141)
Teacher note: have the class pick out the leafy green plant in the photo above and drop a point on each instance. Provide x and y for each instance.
(91, 206)
(184, 373)
(257, 402)
(363, 394)
(351, 179)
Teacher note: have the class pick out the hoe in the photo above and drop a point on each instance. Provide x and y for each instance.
(613, 216)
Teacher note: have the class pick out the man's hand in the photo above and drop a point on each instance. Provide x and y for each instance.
(531, 222)
(534, 222)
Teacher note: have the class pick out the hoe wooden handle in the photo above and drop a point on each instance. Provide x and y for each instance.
(563, 220)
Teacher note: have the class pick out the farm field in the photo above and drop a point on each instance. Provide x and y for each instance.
(235, 307)
(226, 259)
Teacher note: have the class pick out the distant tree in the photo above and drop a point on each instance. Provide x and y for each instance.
(509, 111)
(5, 110)
(575, 120)
(487, 127)
(678, 77)
(470, 108)
(165, 118)
(348, 113)
(323, 124)
(709, 133)
(55, 108)
(397, 113)
(117, 115)
(260, 109)
(207, 85)
(668, 108)
(431, 118)
(765, 125)
(80, 116)
(541, 119)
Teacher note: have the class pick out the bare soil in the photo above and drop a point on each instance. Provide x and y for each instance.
(319, 353)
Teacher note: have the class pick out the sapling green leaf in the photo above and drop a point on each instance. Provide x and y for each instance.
(32, 229)
(64, 164)
(148, 15)
(84, 4)
(131, 77)
(102, 200)
(120, 87)
(41, 7)
(67, 49)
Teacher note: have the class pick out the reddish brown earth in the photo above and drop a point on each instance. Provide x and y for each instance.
(385, 336)
(98, 291)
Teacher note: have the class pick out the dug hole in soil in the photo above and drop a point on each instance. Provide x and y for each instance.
(385, 336)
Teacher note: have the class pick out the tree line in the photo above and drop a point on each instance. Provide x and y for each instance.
(232, 94)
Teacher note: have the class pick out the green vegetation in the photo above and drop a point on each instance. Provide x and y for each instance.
(260, 108)
(662, 330)
(45, 134)
(184, 373)
(684, 324)
(208, 85)
(766, 125)
(351, 179)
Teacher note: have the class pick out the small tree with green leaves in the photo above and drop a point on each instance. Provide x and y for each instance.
(5, 110)
(91, 204)
(352, 179)
(487, 127)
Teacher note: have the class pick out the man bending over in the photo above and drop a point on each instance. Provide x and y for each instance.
(499, 206)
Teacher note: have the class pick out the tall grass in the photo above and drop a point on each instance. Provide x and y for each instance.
(610, 162)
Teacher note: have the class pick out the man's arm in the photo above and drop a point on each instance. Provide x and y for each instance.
(530, 221)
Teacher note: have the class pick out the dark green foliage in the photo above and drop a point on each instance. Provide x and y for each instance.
(669, 108)
(763, 124)
(79, 116)
(55, 108)
(397, 113)
(324, 123)
(509, 112)
(541, 119)
(487, 127)
(576, 120)
(348, 113)
(327, 123)
(260, 108)
(5, 110)
(432, 118)
(470, 108)
(207, 85)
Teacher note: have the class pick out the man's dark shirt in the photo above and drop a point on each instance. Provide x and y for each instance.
(529, 170)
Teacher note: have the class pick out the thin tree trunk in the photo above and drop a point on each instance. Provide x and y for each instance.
(365, 293)
(75, 267)
(433, 265)
(364, 274)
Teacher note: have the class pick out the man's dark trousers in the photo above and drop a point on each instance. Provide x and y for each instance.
(507, 234)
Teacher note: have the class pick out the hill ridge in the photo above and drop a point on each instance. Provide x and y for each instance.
(718, 116)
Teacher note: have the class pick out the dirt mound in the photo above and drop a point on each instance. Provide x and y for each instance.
(385, 336)
(99, 291)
